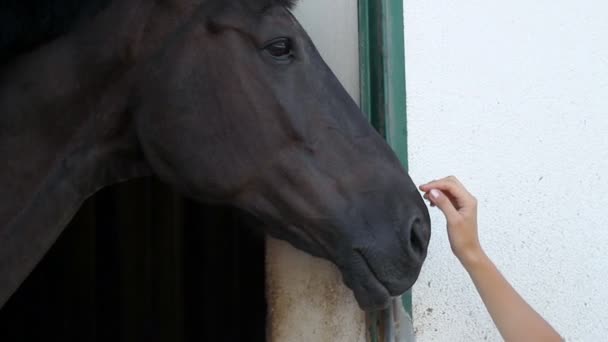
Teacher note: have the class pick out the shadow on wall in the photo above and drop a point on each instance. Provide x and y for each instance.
(140, 263)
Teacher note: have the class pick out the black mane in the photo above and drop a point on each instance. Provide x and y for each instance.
(290, 4)
(26, 24)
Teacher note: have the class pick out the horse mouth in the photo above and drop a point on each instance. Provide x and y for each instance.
(369, 290)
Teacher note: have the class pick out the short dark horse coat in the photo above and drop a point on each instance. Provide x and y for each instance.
(227, 101)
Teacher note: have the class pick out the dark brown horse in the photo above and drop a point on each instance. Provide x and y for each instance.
(226, 100)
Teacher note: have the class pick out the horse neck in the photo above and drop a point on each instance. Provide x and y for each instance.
(74, 91)
(66, 129)
(64, 107)
(76, 78)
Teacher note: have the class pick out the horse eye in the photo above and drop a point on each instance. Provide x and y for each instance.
(280, 48)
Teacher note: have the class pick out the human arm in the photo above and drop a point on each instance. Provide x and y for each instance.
(515, 319)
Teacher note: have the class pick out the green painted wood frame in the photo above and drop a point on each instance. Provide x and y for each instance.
(382, 70)
(382, 85)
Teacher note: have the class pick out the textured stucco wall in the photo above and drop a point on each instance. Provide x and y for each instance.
(306, 297)
(512, 97)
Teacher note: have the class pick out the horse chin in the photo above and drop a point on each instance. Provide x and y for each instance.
(371, 294)
(357, 273)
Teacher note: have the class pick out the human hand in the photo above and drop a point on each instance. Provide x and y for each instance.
(460, 210)
(515, 319)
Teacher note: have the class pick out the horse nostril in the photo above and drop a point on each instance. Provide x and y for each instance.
(417, 242)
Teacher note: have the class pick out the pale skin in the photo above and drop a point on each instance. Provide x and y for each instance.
(515, 319)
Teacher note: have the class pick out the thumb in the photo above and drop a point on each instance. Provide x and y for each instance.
(443, 203)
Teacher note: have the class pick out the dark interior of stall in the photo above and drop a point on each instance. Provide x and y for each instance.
(140, 263)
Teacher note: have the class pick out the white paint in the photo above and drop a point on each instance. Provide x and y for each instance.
(334, 28)
(512, 97)
(306, 297)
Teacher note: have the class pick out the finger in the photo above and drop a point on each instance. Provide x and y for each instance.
(451, 188)
(451, 179)
(443, 203)
(424, 186)
(445, 179)
(426, 197)
(454, 179)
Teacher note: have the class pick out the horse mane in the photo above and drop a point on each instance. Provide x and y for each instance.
(290, 4)
(27, 24)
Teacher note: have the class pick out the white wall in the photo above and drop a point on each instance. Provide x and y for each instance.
(334, 28)
(306, 297)
(512, 97)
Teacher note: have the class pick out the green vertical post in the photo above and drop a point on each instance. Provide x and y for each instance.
(382, 75)
(394, 78)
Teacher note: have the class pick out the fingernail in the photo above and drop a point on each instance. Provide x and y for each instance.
(435, 193)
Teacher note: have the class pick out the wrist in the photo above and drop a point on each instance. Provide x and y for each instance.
(473, 258)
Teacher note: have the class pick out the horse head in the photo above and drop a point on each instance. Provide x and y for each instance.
(230, 102)
(242, 109)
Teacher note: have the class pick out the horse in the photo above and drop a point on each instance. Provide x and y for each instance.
(227, 101)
